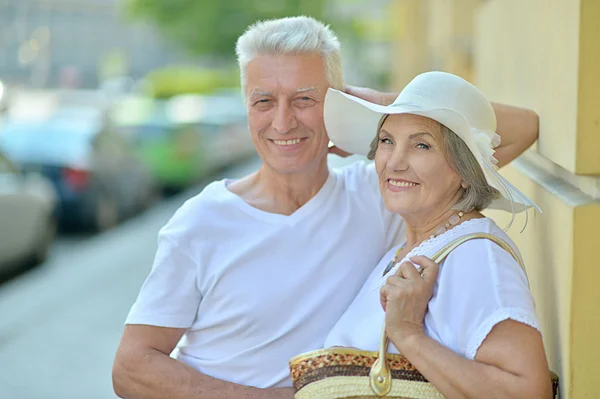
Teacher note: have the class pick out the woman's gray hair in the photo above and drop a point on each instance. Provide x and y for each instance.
(479, 194)
(291, 35)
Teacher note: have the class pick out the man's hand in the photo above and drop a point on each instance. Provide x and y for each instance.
(371, 95)
(332, 149)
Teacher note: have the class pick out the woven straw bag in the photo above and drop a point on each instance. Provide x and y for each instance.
(337, 373)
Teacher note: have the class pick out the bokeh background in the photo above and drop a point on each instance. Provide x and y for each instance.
(114, 112)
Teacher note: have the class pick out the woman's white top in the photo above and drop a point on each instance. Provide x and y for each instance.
(479, 285)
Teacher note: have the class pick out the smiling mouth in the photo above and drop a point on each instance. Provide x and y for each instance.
(287, 142)
(402, 183)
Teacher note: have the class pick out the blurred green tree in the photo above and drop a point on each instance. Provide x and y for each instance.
(211, 27)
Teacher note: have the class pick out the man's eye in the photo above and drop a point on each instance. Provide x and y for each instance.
(262, 102)
(304, 102)
(305, 99)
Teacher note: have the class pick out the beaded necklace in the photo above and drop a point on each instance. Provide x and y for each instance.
(452, 221)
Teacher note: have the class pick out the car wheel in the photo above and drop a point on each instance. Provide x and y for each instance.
(106, 214)
(47, 236)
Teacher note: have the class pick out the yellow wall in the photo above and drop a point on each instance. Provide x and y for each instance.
(547, 248)
(539, 54)
(528, 55)
(588, 120)
(543, 55)
(585, 304)
(409, 57)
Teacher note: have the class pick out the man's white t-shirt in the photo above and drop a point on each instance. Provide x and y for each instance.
(479, 285)
(255, 288)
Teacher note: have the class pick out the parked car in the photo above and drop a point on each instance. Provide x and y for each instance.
(217, 122)
(98, 178)
(28, 225)
(173, 153)
(3, 97)
(223, 130)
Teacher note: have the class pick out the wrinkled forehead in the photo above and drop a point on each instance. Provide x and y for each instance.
(408, 124)
(286, 73)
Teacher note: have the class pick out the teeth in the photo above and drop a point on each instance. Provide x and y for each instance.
(286, 142)
(401, 183)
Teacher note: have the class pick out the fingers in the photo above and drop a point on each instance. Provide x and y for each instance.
(429, 269)
(337, 151)
(408, 271)
(365, 93)
(383, 293)
(353, 90)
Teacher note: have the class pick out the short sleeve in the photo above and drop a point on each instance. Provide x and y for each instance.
(479, 286)
(170, 296)
(364, 177)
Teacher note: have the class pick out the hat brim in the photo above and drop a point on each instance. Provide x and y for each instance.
(351, 124)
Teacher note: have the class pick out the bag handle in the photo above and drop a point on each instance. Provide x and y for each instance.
(380, 375)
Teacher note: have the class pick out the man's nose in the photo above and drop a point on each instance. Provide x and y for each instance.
(285, 118)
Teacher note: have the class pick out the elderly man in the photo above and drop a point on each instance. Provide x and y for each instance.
(254, 271)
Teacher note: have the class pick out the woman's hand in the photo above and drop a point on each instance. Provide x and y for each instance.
(405, 296)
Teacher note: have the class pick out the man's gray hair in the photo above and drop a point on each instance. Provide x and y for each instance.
(479, 194)
(291, 35)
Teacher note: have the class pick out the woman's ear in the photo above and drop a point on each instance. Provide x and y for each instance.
(464, 185)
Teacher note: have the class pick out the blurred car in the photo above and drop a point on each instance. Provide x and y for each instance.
(172, 152)
(98, 178)
(3, 97)
(28, 225)
(224, 129)
(218, 122)
(187, 137)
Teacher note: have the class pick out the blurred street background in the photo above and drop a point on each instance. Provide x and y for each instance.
(114, 112)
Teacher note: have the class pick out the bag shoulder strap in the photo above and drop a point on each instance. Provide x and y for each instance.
(448, 248)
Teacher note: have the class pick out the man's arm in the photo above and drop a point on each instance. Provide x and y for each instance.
(518, 127)
(143, 369)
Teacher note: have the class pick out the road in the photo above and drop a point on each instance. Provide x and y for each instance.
(60, 323)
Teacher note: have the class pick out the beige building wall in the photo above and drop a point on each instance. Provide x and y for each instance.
(543, 55)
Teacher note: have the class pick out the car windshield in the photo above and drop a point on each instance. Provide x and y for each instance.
(61, 140)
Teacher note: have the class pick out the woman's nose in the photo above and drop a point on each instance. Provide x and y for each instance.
(398, 160)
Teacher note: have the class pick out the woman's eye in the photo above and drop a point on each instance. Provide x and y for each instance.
(385, 141)
(423, 146)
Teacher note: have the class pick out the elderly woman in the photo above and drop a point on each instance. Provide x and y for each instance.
(468, 325)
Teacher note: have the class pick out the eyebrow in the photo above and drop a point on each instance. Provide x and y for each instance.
(258, 92)
(412, 136)
(305, 89)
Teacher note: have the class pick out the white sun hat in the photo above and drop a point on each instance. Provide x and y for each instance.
(352, 122)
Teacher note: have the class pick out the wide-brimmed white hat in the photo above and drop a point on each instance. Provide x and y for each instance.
(352, 122)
